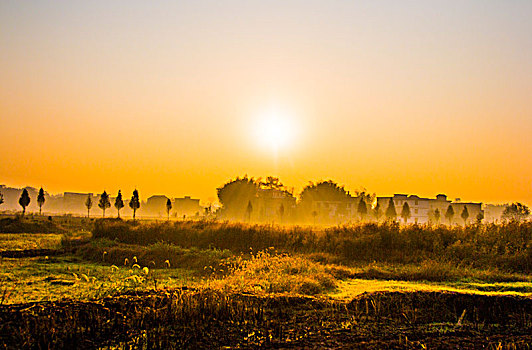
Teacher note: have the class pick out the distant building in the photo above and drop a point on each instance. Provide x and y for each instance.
(473, 209)
(74, 203)
(419, 207)
(273, 205)
(186, 206)
(155, 206)
(441, 203)
(422, 210)
(329, 211)
(493, 212)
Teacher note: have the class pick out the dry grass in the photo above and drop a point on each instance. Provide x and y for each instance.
(275, 273)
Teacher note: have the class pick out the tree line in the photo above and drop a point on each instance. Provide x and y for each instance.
(236, 197)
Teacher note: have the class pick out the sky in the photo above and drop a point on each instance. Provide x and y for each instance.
(177, 97)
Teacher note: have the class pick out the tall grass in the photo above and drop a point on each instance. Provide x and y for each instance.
(157, 255)
(506, 246)
(271, 273)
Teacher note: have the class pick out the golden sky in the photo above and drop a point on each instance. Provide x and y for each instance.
(397, 97)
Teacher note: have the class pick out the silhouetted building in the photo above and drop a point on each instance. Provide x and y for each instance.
(493, 212)
(186, 206)
(155, 206)
(273, 205)
(419, 207)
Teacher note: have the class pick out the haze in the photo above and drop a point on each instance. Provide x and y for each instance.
(398, 97)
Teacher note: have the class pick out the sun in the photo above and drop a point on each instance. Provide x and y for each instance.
(275, 130)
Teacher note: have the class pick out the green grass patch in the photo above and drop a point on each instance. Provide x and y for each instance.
(25, 241)
(54, 278)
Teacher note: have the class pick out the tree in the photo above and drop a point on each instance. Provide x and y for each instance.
(480, 217)
(88, 204)
(249, 210)
(104, 202)
(169, 207)
(516, 211)
(362, 208)
(40, 200)
(24, 200)
(1, 198)
(134, 203)
(391, 214)
(465, 214)
(281, 212)
(437, 215)
(323, 191)
(377, 212)
(449, 214)
(314, 215)
(405, 212)
(119, 203)
(235, 195)
(272, 183)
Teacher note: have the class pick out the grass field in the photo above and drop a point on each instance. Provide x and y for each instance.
(206, 296)
(25, 241)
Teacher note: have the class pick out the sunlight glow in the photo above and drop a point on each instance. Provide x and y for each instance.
(275, 130)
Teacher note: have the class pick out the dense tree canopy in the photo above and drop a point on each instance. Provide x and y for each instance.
(323, 191)
(516, 211)
(235, 196)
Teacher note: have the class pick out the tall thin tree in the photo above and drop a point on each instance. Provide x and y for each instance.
(281, 212)
(88, 204)
(405, 212)
(377, 212)
(40, 200)
(134, 203)
(362, 208)
(168, 207)
(391, 214)
(465, 215)
(119, 203)
(24, 200)
(104, 202)
(437, 215)
(449, 214)
(249, 210)
(1, 198)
